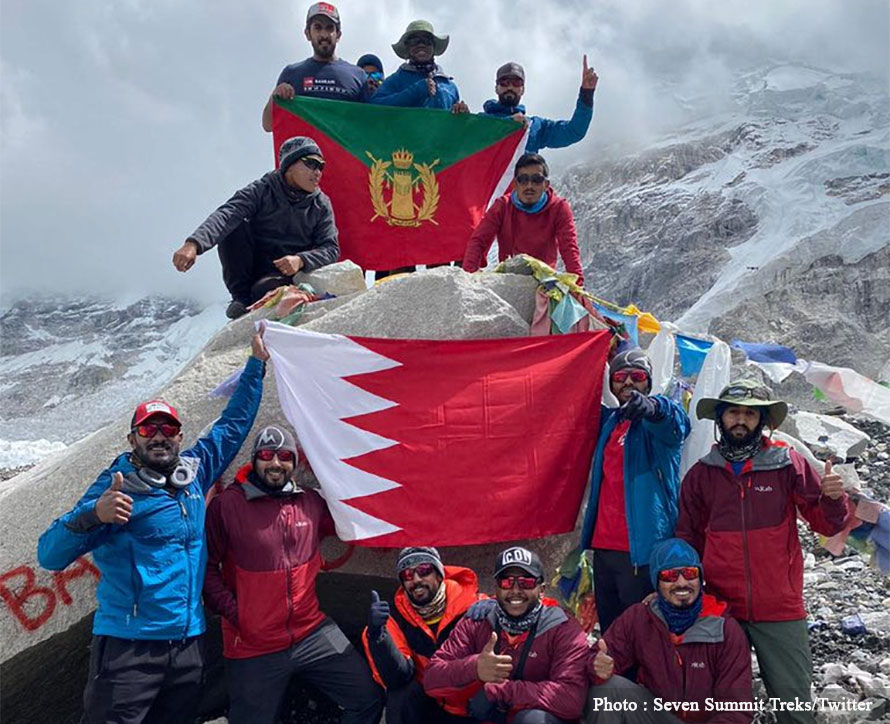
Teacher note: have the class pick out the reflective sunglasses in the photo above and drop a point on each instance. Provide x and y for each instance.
(414, 40)
(313, 164)
(424, 569)
(743, 393)
(620, 376)
(375, 75)
(526, 583)
(167, 429)
(690, 573)
(535, 178)
(511, 82)
(285, 456)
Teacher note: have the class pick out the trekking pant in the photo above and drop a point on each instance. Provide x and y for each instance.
(410, 705)
(325, 658)
(242, 270)
(617, 584)
(786, 665)
(620, 701)
(142, 682)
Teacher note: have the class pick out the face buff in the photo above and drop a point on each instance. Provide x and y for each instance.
(736, 452)
(515, 626)
(433, 611)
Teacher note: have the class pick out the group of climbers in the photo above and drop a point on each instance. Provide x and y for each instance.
(283, 222)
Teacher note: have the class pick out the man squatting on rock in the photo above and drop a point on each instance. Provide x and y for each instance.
(143, 521)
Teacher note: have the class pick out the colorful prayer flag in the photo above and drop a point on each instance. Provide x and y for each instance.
(453, 442)
(408, 185)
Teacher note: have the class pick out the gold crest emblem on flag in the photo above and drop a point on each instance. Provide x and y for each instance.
(401, 181)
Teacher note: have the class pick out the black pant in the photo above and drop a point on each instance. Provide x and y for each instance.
(617, 584)
(410, 705)
(141, 682)
(325, 659)
(245, 275)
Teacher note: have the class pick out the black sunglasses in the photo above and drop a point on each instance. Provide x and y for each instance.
(313, 164)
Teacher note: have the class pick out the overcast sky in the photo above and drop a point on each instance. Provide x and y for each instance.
(125, 122)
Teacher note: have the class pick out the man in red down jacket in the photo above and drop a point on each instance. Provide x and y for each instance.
(400, 641)
(738, 508)
(527, 659)
(531, 220)
(263, 535)
(692, 658)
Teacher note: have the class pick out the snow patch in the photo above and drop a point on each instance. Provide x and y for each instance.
(18, 453)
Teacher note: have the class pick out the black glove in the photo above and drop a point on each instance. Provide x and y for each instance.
(480, 610)
(481, 708)
(640, 406)
(378, 615)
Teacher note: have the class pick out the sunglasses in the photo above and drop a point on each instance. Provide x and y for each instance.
(375, 75)
(690, 573)
(151, 429)
(313, 164)
(284, 456)
(526, 583)
(743, 393)
(415, 40)
(511, 82)
(424, 569)
(535, 178)
(635, 376)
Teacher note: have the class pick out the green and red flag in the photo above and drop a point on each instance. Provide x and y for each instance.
(408, 185)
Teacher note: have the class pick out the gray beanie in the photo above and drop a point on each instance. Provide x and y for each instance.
(274, 438)
(635, 358)
(293, 149)
(415, 555)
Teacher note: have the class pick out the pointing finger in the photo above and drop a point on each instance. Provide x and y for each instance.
(585, 62)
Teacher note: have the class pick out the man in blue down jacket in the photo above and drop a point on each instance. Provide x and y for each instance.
(143, 520)
(634, 486)
(543, 132)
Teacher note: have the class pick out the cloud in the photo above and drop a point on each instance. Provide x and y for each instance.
(124, 124)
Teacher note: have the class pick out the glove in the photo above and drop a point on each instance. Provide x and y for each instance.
(480, 610)
(640, 406)
(481, 708)
(378, 615)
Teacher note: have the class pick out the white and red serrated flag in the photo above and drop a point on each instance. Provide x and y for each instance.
(444, 443)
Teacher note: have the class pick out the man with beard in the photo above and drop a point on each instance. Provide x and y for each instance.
(399, 641)
(684, 646)
(143, 521)
(324, 75)
(420, 82)
(527, 658)
(263, 536)
(634, 485)
(738, 508)
(532, 219)
(278, 225)
(543, 132)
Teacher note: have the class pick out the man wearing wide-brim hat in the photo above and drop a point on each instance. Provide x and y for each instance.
(420, 82)
(738, 508)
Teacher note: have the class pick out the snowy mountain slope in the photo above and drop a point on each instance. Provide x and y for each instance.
(772, 222)
(68, 366)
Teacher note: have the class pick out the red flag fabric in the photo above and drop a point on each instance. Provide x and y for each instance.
(408, 185)
(444, 442)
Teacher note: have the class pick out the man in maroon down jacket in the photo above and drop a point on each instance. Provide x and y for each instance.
(528, 659)
(689, 653)
(263, 533)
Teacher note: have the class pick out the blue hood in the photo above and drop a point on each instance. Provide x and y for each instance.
(671, 553)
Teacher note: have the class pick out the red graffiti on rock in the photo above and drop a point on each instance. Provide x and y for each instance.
(34, 605)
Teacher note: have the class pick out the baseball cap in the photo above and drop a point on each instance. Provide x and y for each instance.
(151, 408)
(511, 69)
(518, 557)
(326, 9)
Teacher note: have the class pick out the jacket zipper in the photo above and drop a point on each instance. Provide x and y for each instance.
(628, 508)
(188, 562)
(748, 593)
(289, 574)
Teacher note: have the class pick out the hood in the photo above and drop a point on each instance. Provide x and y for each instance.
(672, 553)
(461, 591)
(438, 71)
(773, 455)
(494, 107)
(253, 491)
(708, 627)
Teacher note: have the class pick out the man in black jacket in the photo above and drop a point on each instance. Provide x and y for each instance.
(278, 225)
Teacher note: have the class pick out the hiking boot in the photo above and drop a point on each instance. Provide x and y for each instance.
(236, 309)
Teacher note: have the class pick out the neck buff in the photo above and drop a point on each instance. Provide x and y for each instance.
(426, 68)
(287, 489)
(519, 625)
(679, 619)
(738, 452)
(432, 611)
(535, 207)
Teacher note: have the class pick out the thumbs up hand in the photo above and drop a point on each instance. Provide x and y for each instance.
(378, 615)
(832, 484)
(492, 667)
(113, 505)
(603, 664)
